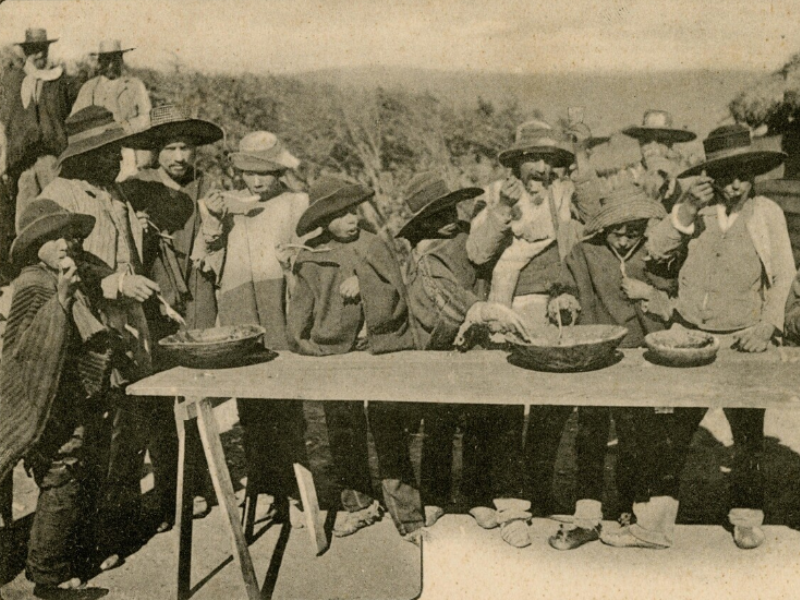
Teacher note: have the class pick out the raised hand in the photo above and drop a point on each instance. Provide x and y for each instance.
(138, 287)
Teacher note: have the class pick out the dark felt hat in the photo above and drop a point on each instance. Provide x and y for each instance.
(110, 47)
(729, 150)
(168, 122)
(657, 124)
(621, 205)
(89, 129)
(536, 140)
(36, 36)
(41, 220)
(328, 196)
(428, 194)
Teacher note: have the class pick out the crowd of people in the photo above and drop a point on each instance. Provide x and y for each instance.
(104, 249)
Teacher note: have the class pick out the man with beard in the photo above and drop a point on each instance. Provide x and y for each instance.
(123, 95)
(524, 232)
(170, 239)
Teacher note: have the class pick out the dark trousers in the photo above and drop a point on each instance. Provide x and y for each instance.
(273, 439)
(436, 463)
(747, 480)
(61, 539)
(347, 437)
(8, 206)
(545, 428)
(492, 445)
(392, 425)
(658, 447)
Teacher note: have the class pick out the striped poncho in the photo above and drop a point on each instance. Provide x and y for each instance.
(39, 345)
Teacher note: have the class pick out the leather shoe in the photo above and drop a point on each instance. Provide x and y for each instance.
(569, 538)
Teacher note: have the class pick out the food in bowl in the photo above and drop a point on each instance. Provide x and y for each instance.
(681, 347)
(214, 347)
(577, 348)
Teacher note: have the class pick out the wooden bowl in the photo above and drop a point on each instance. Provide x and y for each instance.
(681, 347)
(581, 348)
(214, 348)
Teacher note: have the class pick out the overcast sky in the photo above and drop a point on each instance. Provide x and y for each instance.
(525, 36)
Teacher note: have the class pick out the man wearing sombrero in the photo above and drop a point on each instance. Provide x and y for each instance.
(660, 162)
(125, 96)
(189, 288)
(86, 185)
(734, 283)
(34, 103)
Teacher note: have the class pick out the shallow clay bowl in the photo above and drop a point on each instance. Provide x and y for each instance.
(581, 348)
(216, 347)
(681, 348)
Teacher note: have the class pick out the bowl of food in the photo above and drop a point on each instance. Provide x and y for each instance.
(216, 347)
(577, 348)
(680, 347)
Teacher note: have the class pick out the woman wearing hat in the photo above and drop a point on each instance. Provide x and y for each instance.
(52, 380)
(733, 283)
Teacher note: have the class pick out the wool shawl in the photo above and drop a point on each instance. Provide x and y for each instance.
(38, 345)
(320, 322)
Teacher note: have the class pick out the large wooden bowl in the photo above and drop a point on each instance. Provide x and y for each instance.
(681, 347)
(214, 348)
(581, 348)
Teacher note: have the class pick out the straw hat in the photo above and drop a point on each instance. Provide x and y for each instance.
(328, 196)
(728, 150)
(262, 152)
(621, 205)
(428, 194)
(168, 122)
(536, 139)
(43, 219)
(111, 47)
(91, 128)
(657, 124)
(36, 36)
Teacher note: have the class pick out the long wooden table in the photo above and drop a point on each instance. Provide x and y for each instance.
(768, 380)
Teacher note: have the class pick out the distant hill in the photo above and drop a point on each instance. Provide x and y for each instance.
(697, 99)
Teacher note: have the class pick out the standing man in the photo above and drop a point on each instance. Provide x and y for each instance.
(174, 138)
(34, 103)
(123, 95)
(734, 283)
(525, 255)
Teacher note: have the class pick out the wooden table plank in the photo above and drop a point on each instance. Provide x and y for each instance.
(486, 377)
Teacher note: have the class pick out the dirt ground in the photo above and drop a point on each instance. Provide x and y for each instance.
(704, 487)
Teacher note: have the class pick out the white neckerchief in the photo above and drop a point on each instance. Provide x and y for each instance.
(726, 220)
(32, 83)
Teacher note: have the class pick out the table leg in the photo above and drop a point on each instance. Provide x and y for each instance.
(221, 477)
(183, 506)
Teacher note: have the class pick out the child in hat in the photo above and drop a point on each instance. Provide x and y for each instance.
(443, 298)
(347, 296)
(734, 283)
(607, 280)
(52, 381)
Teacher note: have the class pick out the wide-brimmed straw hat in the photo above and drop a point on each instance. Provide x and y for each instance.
(428, 194)
(89, 129)
(536, 139)
(262, 152)
(729, 150)
(328, 196)
(622, 205)
(43, 219)
(36, 36)
(168, 122)
(110, 47)
(658, 125)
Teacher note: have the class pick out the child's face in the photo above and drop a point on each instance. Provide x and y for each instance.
(344, 225)
(622, 238)
(266, 184)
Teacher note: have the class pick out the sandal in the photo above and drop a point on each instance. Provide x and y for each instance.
(485, 517)
(515, 533)
(624, 538)
(111, 562)
(748, 538)
(433, 514)
(569, 538)
(353, 521)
